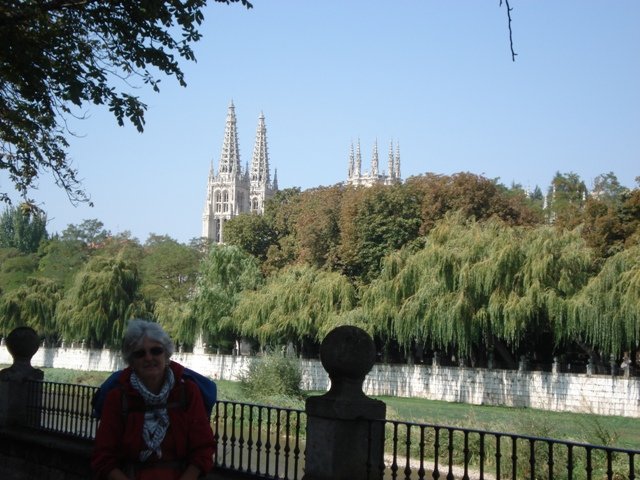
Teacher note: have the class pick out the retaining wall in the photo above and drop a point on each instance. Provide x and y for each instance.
(601, 394)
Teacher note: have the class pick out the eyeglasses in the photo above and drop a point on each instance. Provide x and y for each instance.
(153, 351)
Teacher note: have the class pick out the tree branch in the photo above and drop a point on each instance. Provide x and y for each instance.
(31, 10)
(513, 53)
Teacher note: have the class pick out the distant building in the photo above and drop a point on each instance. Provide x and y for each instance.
(235, 190)
(374, 176)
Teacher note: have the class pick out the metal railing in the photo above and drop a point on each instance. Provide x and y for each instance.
(420, 451)
(269, 442)
(61, 408)
(259, 440)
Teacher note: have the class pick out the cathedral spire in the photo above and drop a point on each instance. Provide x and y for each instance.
(260, 160)
(358, 162)
(229, 166)
(396, 166)
(275, 180)
(351, 162)
(374, 176)
(374, 160)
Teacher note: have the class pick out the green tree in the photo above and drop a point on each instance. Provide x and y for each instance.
(565, 200)
(15, 268)
(475, 196)
(168, 274)
(224, 275)
(374, 222)
(251, 232)
(168, 269)
(121, 245)
(61, 259)
(299, 304)
(630, 213)
(104, 295)
(23, 229)
(607, 188)
(280, 214)
(317, 226)
(32, 304)
(609, 218)
(475, 284)
(606, 313)
(57, 56)
(90, 232)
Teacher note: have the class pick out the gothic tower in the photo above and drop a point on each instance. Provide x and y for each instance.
(234, 191)
(356, 177)
(261, 187)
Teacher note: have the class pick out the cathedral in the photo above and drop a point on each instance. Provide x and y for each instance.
(356, 177)
(235, 190)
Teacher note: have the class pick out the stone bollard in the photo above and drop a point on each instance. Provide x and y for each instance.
(523, 365)
(22, 344)
(342, 441)
(555, 367)
(436, 359)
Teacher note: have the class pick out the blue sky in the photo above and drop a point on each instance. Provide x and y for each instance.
(435, 76)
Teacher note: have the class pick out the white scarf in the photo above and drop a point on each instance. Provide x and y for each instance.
(156, 420)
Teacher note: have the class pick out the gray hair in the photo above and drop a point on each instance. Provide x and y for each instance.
(137, 330)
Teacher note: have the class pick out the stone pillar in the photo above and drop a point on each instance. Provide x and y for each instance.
(343, 443)
(22, 344)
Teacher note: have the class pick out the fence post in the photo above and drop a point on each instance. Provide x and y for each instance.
(343, 443)
(22, 344)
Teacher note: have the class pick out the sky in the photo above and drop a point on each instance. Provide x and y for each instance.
(435, 76)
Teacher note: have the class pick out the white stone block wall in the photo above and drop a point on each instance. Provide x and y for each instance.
(601, 394)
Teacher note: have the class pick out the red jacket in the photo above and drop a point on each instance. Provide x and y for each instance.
(119, 440)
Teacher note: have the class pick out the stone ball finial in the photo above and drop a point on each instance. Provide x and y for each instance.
(347, 352)
(23, 343)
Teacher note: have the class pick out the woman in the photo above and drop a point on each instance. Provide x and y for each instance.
(155, 425)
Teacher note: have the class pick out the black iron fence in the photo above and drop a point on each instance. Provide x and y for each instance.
(264, 441)
(421, 451)
(269, 442)
(61, 408)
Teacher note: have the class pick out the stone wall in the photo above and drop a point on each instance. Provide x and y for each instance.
(601, 394)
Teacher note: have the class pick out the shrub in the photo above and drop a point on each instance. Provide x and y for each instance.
(272, 376)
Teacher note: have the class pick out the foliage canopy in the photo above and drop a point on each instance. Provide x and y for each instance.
(58, 56)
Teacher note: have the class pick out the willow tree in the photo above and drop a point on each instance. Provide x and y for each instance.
(606, 313)
(477, 283)
(224, 275)
(299, 304)
(32, 304)
(103, 297)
